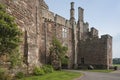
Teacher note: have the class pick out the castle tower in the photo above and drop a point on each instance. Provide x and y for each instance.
(80, 23)
(73, 25)
(72, 12)
(80, 14)
(107, 51)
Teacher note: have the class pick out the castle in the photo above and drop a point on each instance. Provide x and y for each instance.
(40, 25)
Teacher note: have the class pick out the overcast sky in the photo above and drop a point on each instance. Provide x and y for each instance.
(104, 15)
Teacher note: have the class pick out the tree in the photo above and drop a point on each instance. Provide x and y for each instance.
(57, 51)
(9, 32)
(116, 60)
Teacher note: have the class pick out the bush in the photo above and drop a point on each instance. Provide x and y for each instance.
(48, 68)
(4, 75)
(8, 77)
(115, 68)
(20, 75)
(65, 60)
(38, 71)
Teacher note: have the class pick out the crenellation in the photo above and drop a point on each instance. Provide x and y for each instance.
(67, 24)
(93, 32)
(60, 20)
(85, 31)
(106, 36)
(43, 4)
(48, 14)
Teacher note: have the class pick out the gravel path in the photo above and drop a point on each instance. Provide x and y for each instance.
(98, 75)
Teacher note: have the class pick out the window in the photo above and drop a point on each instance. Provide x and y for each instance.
(82, 61)
(64, 33)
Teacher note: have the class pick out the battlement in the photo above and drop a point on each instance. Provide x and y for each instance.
(94, 32)
(68, 24)
(106, 36)
(86, 27)
(48, 15)
(60, 20)
(43, 5)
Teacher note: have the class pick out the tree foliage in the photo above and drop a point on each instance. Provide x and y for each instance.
(116, 61)
(9, 32)
(57, 49)
(57, 54)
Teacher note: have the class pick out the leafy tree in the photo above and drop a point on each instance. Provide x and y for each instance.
(65, 60)
(57, 50)
(116, 60)
(9, 33)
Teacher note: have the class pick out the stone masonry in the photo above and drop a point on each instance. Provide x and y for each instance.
(40, 25)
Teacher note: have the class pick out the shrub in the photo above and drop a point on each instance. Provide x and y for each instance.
(4, 75)
(20, 75)
(38, 71)
(48, 68)
(65, 60)
(8, 77)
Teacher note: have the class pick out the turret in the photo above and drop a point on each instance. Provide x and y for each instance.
(74, 44)
(72, 12)
(94, 32)
(80, 23)
(80, 14)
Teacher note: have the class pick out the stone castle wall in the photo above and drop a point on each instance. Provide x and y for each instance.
(94, 52)
(60, 28)
(27, 18)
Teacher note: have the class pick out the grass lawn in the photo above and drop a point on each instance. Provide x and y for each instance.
(56, 75)
(116, 65)
(103, 71)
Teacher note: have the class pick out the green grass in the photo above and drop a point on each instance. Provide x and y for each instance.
(103, 71)
(116, 65)
(56, 75)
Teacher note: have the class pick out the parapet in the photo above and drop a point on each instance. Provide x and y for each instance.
(94, 32)
(106, 36)
(43, 4)
(68, 24)
(86, 27)
(48, 15)
(60, 20)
